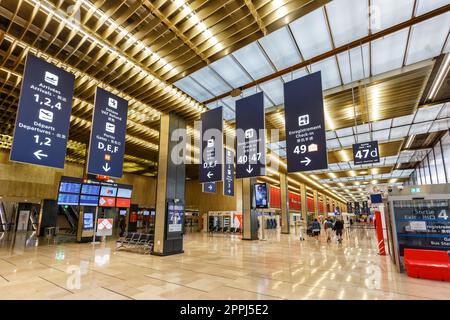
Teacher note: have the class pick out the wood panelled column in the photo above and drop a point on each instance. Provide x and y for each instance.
(316, 203)
(285, 216)
(170, 185)
(304, 202)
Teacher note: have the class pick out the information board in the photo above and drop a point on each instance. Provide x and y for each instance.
(107, 142)
(367, 152)
(306, 145)
(175, 218)
(228, 180)
(43, 115)
(250, 137)
(212, 145)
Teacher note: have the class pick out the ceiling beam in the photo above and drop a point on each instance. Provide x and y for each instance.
(354, 44)
(256, 16)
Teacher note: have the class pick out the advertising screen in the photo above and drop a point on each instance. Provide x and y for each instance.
(108, 191)
(123, 203)
(69, 187)
(124, 193)
(261, 198)
(107, 202)
(91, 189)
(68, 199)
(88, 200)
(123, 212)
(88, 220)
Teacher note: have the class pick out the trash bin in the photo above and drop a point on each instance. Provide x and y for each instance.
(50, 232)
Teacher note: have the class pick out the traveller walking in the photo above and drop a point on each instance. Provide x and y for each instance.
(339, 227)
(328, 227)
(316, 229)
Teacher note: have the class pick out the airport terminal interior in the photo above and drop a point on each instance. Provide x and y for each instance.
(225, 149)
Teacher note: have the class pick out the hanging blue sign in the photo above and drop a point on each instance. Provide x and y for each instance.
(306, 145)
(212, 146)
(228, 180)
(250, 137)
(209, 187)
(367, 152)
(107, 143)
(43, 115)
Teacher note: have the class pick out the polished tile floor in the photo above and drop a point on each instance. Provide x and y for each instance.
(212, 267)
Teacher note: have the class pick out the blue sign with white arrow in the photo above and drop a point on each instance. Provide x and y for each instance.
(209, 187)
(107, 143)
(43, 115)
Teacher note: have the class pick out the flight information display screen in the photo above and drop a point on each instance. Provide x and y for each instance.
(124, 193)
(86, 200)
(68, 199)
(91, 189)
(69, 187)
(108, 191)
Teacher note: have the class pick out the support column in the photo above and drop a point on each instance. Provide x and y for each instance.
(285, 216)
(316, 203)
(324, 199)
(304, 202)
(170, 187)
(249, 216)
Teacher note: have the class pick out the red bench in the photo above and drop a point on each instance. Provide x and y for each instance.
(427, 264)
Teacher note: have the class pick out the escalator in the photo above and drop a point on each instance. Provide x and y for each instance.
(3, 221)
(71, 215)
(34, 216)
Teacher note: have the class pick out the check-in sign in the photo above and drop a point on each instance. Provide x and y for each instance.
(367, 152)
(306, 146)
(43, 115)
(212, 146)
(228, 181)
(107, 143)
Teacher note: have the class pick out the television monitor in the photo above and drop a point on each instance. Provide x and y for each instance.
(108, 191)
(376, 198)
(123, 212)
(261, 195)
(146, 213)
(153, 213)
(91, 189)
(87, 200)
(88, 220)
(107, 202)
(69, 187)
(124, 193)
(123, 203)
(68, 199)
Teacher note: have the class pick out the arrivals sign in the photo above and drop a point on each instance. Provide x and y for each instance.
(306, 144)
(209, 187)
(250, 134)
(228, 180)
(43, 115)
(367, 152)
(107, 143)
(212, 146)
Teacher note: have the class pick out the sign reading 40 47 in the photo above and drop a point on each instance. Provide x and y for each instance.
(43, 115)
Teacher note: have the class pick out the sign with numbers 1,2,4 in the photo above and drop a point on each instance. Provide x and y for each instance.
(43, 115)
(367, 152)
(107, 143)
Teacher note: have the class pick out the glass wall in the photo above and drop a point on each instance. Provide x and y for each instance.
(435, 167)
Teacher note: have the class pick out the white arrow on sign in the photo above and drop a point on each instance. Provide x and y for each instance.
(210, 187)
(307, 161)
(249, 169)
(106, 167)
(38, 154)
(209, 174)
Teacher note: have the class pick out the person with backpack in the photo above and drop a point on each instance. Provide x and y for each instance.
(328, 227)
(338, 228)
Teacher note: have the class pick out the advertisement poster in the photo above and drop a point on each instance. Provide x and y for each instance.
(43, 115)
(104, 227)
(175, 214)
(107, 142)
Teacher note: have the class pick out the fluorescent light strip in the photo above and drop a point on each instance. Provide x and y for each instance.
(443, 70)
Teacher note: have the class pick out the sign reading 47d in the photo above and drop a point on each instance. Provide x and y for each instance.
(43, 115)
(107, 143)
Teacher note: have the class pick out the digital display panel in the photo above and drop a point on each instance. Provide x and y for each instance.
(146, 213)
(123, 212)
(107, 202)
(124, 193)
(69, 187)
(261, 197)
(123, 203)
(86, 200)
(153, 213)
(88, 220)
(108, 191)
(68, 199)
(376, 198)
(91, 189)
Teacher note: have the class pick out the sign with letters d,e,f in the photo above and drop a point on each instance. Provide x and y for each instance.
(367, 152)
(107, 143)
(43, 115)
